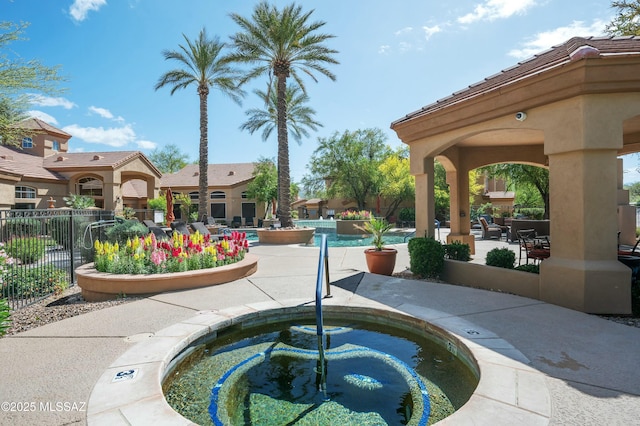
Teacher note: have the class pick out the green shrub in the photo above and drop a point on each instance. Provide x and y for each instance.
(121, 232)
(458, 251)
(501, 257)
(534, 269)
(535, 213)
(24, 227)
(34, 282)
(407, 215)
(5, 320)
(27, 249)
(426, 257)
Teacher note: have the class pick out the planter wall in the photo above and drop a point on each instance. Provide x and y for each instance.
(348, 227)
(286, 236)
(521, 283)
(98, 286)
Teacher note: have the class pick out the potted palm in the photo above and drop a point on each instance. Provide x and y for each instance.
(380, 259)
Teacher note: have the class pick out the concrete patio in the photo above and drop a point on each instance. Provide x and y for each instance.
(588, 365)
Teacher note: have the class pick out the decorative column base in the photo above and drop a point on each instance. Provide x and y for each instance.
(595, 287)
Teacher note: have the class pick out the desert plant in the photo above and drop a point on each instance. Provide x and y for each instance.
(76, 201)
(27, 249)
(377, 228)
(458, 251)
(501, 257)
(128, 213)
(426, 257)
(5, 316)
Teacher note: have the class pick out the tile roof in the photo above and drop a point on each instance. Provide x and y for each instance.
(134, 188)
(16, 161)
(576, 48)
(69, 160)
(39, 125)
(217, 175)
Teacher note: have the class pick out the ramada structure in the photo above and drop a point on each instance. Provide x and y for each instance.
(573, 109)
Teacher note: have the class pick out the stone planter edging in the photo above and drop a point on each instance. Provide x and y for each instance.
(286, 236)
(98, 286)
(348, 227)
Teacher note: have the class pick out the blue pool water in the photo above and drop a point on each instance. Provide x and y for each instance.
(335, 240)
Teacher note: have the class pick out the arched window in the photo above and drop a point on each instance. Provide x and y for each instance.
(217, 195)
(195, 195)
(27, 143)
(89, 186)
(25, 192)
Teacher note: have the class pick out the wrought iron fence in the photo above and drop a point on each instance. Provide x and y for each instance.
(41, 249)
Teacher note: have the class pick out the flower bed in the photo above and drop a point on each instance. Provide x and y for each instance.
(146, 265)
(147, 255)
(350, 222)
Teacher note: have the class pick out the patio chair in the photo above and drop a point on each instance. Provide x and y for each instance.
(535, 250)
(248, 221)
(181, 227)
(236, 222)
(489, 230)
(202, 229)
(155, 229)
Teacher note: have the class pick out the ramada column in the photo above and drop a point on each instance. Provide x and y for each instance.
(583, 272)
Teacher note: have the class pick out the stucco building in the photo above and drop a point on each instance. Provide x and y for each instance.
(573, 109)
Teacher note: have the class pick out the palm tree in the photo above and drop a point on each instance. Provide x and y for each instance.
(204, 67)
(281, 43)
(299, 116)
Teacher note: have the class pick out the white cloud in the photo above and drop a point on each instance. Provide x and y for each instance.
(405, 30)
(429, 31)
(384, 49)
(43, 116)
(48, 101)
(547, 39)
(116, 136)
(146, 145)
(105, 113)
(490, 10)
(80, 8)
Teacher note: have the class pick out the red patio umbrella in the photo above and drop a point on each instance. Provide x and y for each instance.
(170, 217)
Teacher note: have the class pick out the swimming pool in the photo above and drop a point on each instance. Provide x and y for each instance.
(339, 240)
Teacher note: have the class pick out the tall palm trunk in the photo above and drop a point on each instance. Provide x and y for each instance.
(284, 180)
(203, 178)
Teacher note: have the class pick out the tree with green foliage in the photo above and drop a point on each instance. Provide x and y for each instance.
(634, 192)
(524, 174)
(204, 66)
(398, 184)
(264, 186)
(17, 77)
(350, 163)
(169, 159)
(282, 44)
(627, 20)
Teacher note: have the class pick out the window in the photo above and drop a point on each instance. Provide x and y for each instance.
(25, 192)
(244, 194)
(27, 143)
(218, 210)
(215, 195)
(194, 195)
(56, 146)
(89, 186)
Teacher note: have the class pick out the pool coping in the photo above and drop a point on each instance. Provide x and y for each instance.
(509, 391)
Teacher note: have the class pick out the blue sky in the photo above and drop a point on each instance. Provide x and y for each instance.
(395, 57)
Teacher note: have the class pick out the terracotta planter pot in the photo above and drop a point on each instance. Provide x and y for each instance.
(381, 262)
(98, 286)
(286, 236)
